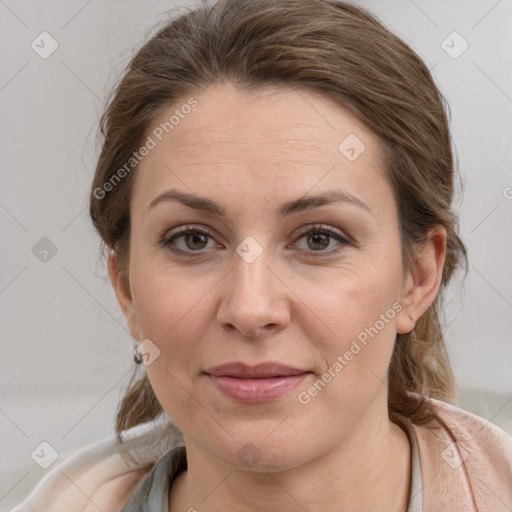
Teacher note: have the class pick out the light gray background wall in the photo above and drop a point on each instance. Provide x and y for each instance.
(66, 352)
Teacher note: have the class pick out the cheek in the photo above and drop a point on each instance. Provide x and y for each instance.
(172, 312)
(174, 315)
(351, 321)
(341, 306)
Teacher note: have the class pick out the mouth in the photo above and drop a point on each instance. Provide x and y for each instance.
(261, 383)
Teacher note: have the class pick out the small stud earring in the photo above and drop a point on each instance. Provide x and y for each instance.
(137, 356)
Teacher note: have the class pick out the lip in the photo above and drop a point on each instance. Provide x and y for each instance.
(259, 383)
(258, 371)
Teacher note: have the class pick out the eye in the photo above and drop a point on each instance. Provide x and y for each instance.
(195, 241)
(188, 239)
(320, 239)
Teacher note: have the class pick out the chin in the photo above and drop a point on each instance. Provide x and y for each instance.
(261, 453)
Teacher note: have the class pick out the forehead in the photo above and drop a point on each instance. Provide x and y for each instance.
(282, 141)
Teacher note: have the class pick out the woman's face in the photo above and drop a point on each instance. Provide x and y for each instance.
(233, 274)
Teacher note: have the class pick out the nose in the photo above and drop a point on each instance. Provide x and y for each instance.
(255, 301)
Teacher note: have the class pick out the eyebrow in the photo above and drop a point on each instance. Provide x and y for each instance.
(290, 207)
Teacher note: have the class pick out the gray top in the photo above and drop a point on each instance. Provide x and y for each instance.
(152, 495)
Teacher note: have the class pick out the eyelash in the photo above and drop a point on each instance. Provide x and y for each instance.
(166, 240)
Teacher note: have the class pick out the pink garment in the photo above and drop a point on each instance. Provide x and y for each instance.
(466, 466)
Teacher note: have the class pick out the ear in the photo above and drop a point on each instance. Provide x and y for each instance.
(423, 280)
(123, 292)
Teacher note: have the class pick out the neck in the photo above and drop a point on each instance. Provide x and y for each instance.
(368, 471)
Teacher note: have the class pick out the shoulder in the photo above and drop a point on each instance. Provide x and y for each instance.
(480, 436)
(469, 422)
(103, 476)
(467, 456)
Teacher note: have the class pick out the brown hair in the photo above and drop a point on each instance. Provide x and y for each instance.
(332, 48)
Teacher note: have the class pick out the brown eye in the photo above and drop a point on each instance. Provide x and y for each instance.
(195, 241)
(188, 240)
(321, 240)
(318, 241)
